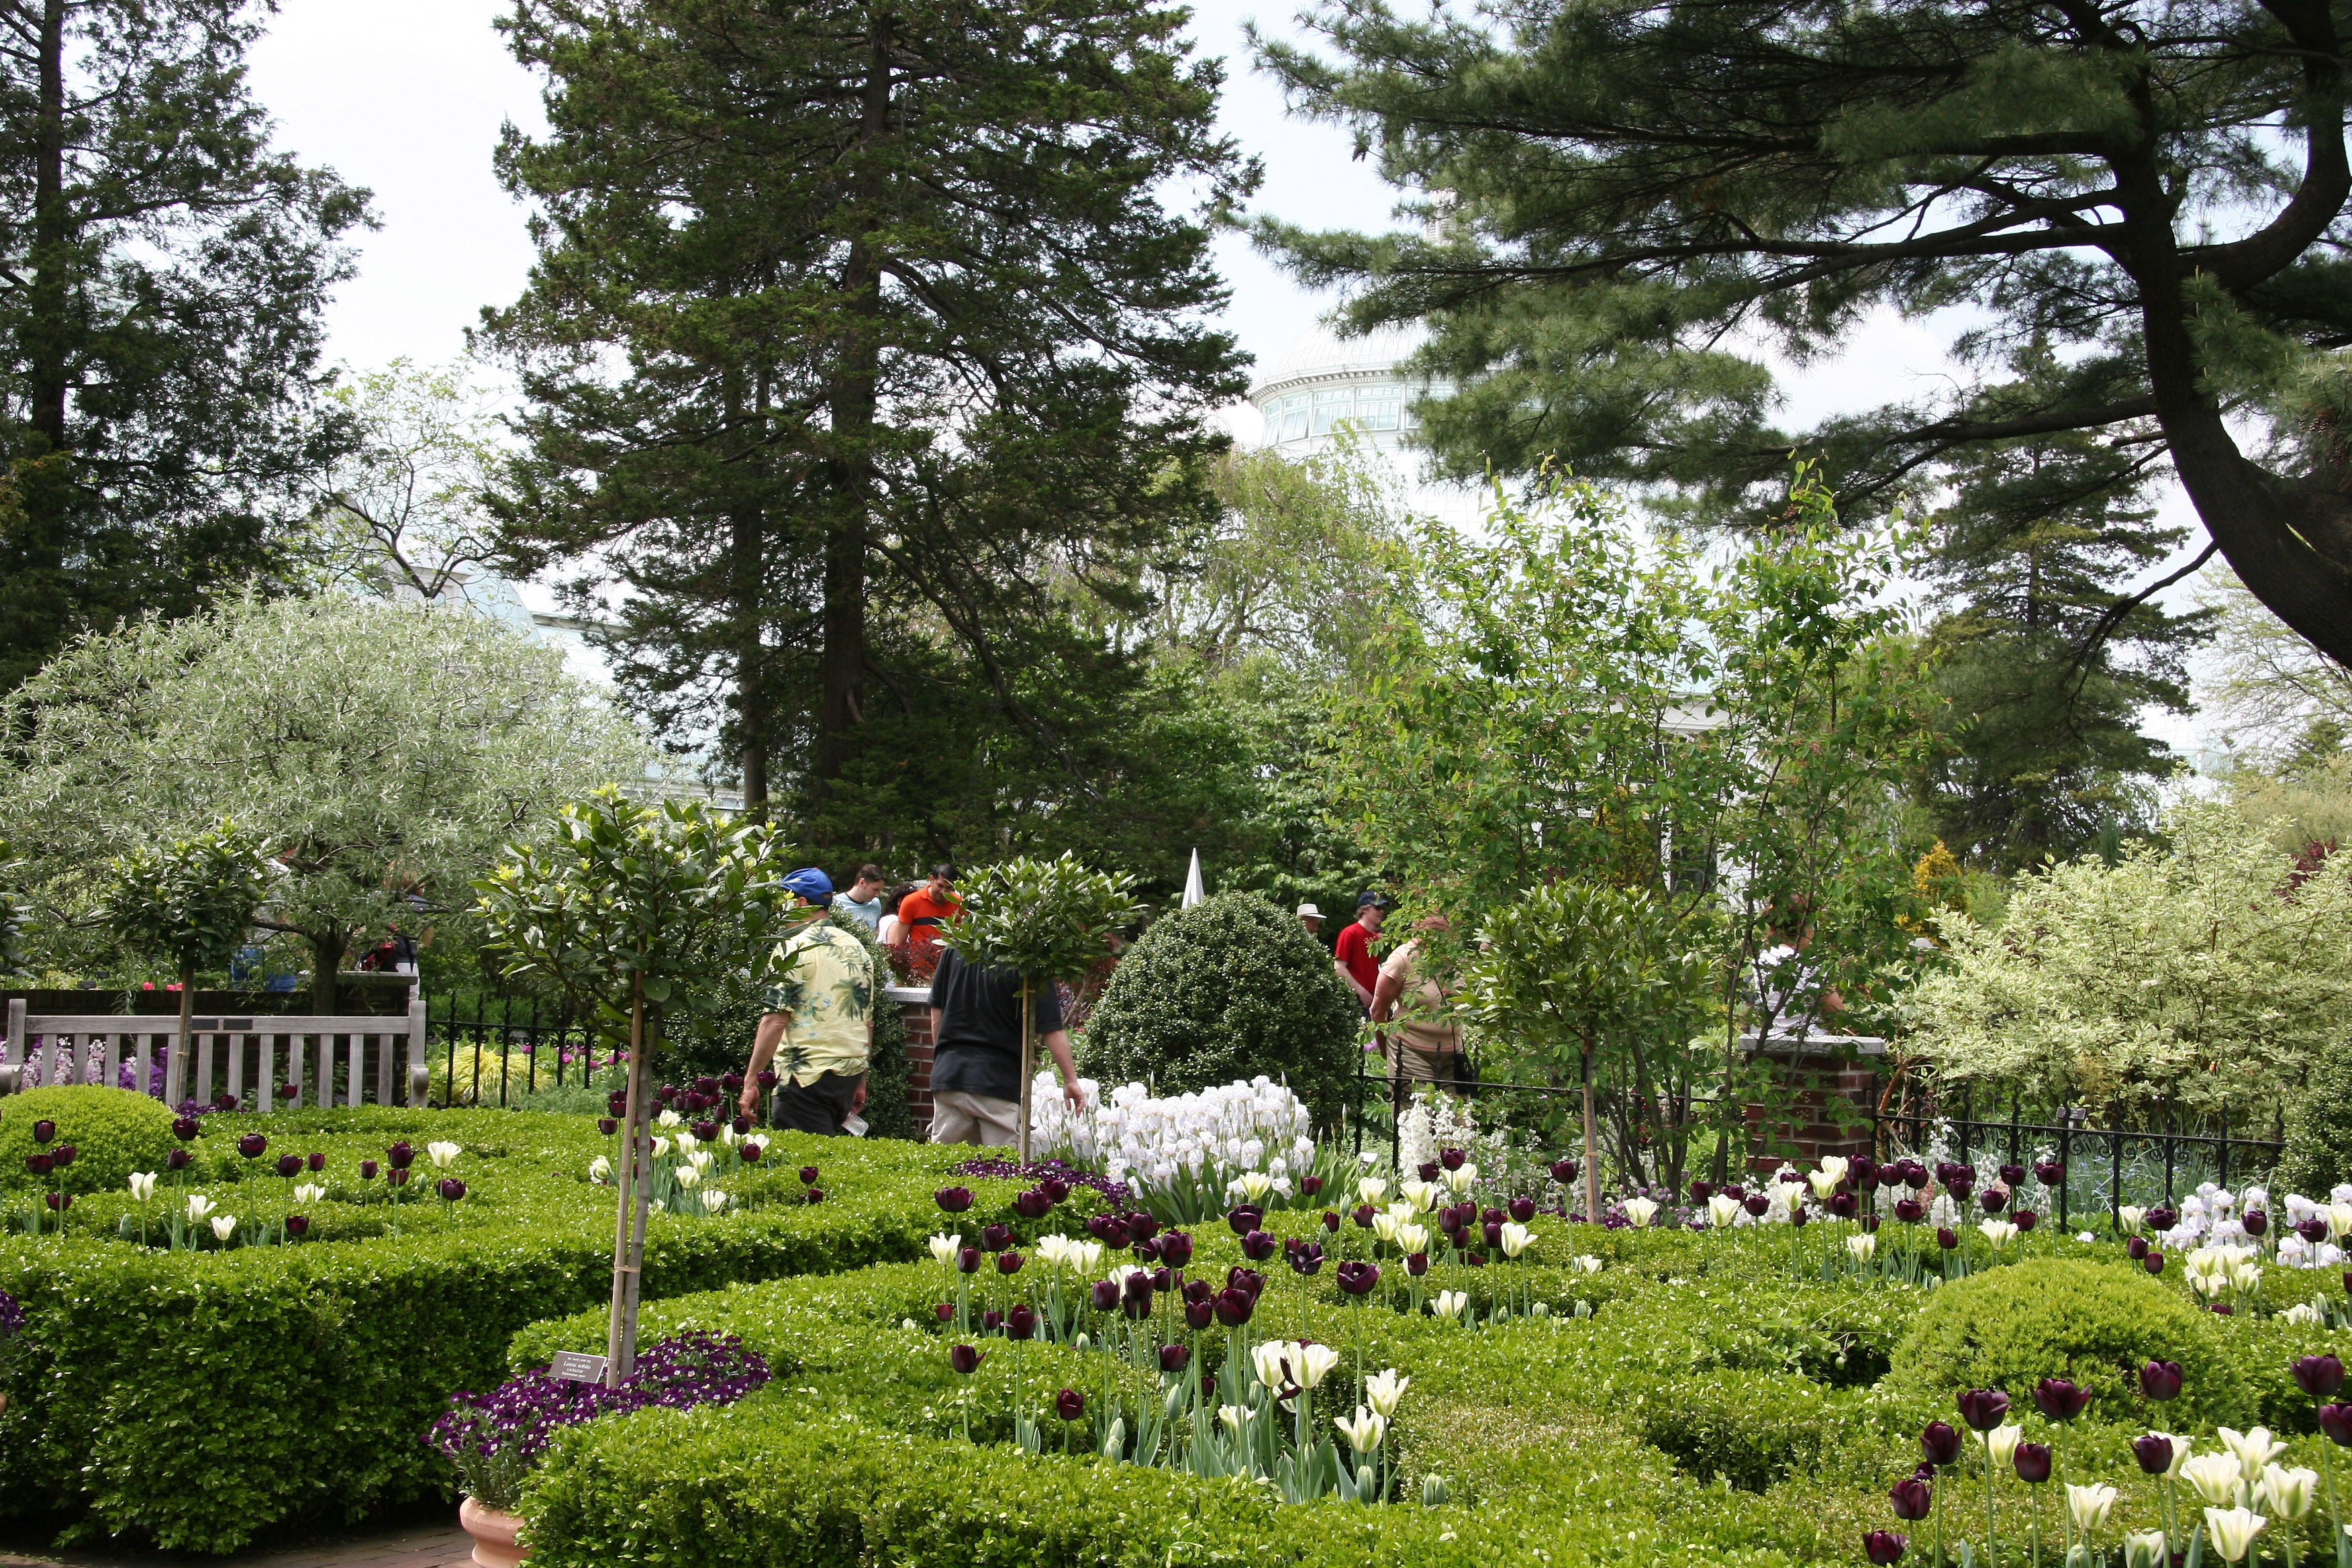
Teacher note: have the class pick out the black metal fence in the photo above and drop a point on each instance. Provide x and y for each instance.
(496, 1050)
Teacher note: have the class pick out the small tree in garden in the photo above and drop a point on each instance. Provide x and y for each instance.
(1580, 968)
(190, 905)
(627, 907)
(1048, 920)
(12, 917)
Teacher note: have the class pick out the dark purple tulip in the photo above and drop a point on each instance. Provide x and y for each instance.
(1912, 1496)
(1563, 1172)
(452, 1189)
(1946, 1237)
(45, 1133)
(742, 1124)
(1147, 1252)
(1427, 1170)
(2162, 1220)
(768, 1079)
(400, 1156)
(61, 1201)
(2154, 1453)
(1702, 1191)
(1234, 1307)
(1797, 1216)
(607, 1125)
(1106, 1295)
(1199, 1291)
(1843, 1204)
(316, 1162)
(1330, 1220)
(1451, 1158)
(1861, 1170)
(1139, 1295)
(1910, 1211)
(177, 1160)
(1070, 1404)
(1474, 1260)
(1307, 1259)
(251, 1145)
(1054, 1188)
(1244, 1218)
(1199, 1314)
(1172, 1358)
(1755, 1203)
(2025, 1219)
(2317, 1376)
(1869, 1222)
(367, 1170)
(1163, 1280)
(1883, 1547)
(2223, 1308)
(2032, 1461)
(1983, 1408)
(666, 1093)
(1416, 1264)
(1142, 1227)
(1523, 1209)
(944, 1312)
(1249, 1279)
(1257, 1247)
(1115, 1234)
(66, 1154)
(964, 1359)
(968, 1260)
(808, 1174)
(1020, 1324)
(1734, 1190)
(1993, 1200)
(1940, 1443)
(617, 1102)
(1493, 1231)
(749, 1153)
(2312, 1230)
(2049, 1173)
(2160, 1379)
(395, 1178)
(995, 1237)
(1914, 1176)
(2255, 1221)
(1175, 1249)
(2136, 1247)
(2059, 1400)
(1363, 1216)
(184, 1129)
(1356, 1279)
(1790, 1179)
(289, 1165)
(42, 1164)
(1009, 1262)
(2154, 1263)
(2012, 1175)
(953, 1200)
(2336, 1421)
(1310, 1186)
(224, 1101)
(297, 1226)
(992, 1320)
(1961, 1187)
(1032, 1205)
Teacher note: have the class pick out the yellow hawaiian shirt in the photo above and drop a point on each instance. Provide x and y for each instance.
(827, 996)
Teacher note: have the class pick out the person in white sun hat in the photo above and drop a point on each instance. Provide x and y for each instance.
(1312, 918)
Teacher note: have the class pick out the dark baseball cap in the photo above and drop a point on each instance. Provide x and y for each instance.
(1381, 900)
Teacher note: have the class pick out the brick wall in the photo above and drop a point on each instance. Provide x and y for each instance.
(915, 1007)
(1821, 1072)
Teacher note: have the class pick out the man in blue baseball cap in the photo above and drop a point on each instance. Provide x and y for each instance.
(819, 1025)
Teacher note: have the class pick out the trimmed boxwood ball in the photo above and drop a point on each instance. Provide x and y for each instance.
(2318, 1152)
(2092, 1323)
(1228, 989)
(114, 1131)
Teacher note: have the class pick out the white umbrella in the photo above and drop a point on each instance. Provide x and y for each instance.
(1193, 891)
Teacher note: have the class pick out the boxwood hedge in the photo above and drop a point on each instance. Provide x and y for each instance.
(198, 1397)
(1710, 1407)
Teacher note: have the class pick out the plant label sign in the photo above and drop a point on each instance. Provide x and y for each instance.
(579, 1366)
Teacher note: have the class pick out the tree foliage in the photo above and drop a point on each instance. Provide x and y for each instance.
(190, 903)
(2141, 207)
(163, 274)
(386, 752)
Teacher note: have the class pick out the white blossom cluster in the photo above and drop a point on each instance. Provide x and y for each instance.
(1248, 1139)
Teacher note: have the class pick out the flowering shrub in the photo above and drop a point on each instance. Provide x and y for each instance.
(492, 1440)
(1187, 1156)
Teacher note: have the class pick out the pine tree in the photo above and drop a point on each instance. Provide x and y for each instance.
(853, 322)
(1629, 205)
(161, 276)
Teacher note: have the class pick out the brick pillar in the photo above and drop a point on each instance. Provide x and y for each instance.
(1823, 1069)
(915, 1011)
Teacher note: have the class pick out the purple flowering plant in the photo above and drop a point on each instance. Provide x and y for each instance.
(1116, 1194)
(12, 1334)
(494, 1439)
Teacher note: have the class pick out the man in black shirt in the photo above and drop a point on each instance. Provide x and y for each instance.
(976, 1051)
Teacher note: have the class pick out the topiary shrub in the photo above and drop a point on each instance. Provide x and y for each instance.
(114, 1131)
(2095, 1324)
(2318, 1152)
(1228, 989)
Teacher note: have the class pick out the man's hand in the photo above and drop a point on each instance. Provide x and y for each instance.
(750, 1101)
(857, 1099)
(1073, 1094)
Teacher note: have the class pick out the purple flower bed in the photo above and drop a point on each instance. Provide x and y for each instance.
(494, 1438)
(1114, 1192)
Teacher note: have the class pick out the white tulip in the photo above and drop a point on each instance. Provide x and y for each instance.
(2000, 1444)
(1586, 1262)
(2245, 1277)
(669, 1118)
(2338, 1217)
(199, 1207)
(2303, 1314)
(661, 1147)
(1641, 1212)
(689, 1177)
(1722, 1210)
(945, 1248)
(224, 1226)
(1450, 1305)
(1254, 1186)
(142, 1185)
(1516, 1238)
(1423, 1196)
(1371, 1189)
(442, 1154)
(1412, 1237)
(1835, 1166)
(1825, 1186)
(2088, 1507)
(1234, 1416)
(2145, 1549)
(701, 1161)
(2232, 1531)
(1086, 1255)
(2214, 1478)
(1287, 1362)
(1384, 1389)
(1461, 1180)
(2000, 1232)
(1384, 1227)
(687, 1143)
(2284, 1493)
(1365, 1431)
(2253, 1449)
(1052, 1251)
(713, 1201)
(600, 1169)
(1863, 1245)
(308, 1193)
(2130, 1218)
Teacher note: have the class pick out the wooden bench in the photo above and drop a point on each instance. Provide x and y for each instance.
(244, 1052)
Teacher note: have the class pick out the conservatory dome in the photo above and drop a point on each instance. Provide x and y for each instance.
(1323, 381)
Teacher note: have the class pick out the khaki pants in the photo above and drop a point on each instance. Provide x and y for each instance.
(1415, 1065)
(961, 1118)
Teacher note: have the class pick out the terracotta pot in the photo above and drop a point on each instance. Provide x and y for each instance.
(493, 1533)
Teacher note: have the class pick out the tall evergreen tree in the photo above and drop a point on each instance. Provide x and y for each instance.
(161, 276)
(853, 323)
(1631, 203)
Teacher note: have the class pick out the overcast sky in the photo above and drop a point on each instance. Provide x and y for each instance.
(407, 97)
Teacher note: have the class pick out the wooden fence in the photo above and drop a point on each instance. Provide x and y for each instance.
(326, 1060)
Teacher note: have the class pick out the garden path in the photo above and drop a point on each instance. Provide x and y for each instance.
(440, 1544)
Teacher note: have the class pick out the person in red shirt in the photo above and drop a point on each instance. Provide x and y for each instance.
(922, 912)
(1351, 956)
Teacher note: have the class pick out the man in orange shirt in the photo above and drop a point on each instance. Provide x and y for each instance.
(922, 912)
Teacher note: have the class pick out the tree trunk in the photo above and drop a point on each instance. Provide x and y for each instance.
(176, 1076)
(628, 1230)
(327, 949)
(1028, 1069)
(1591, 1172)
(36, 553)
(750, 658)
